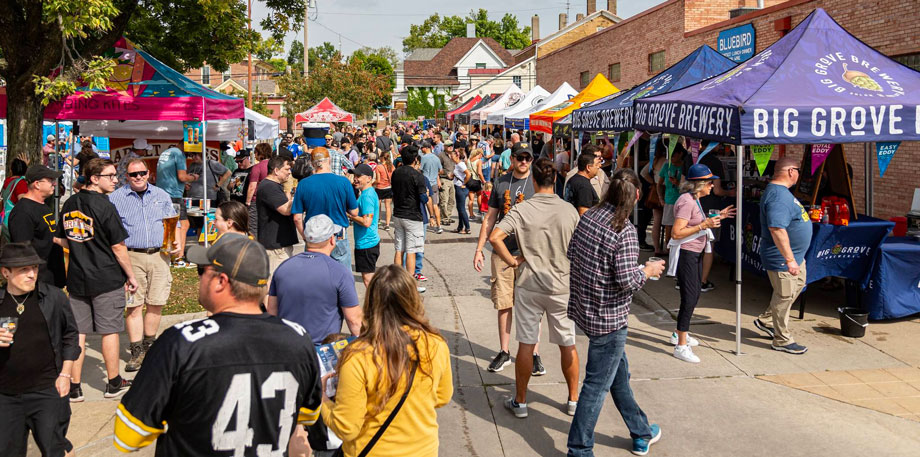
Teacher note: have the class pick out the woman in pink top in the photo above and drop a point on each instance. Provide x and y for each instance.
(690, 230)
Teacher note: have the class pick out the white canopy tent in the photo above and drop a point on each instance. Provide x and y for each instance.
(532, 98)
(265, 128)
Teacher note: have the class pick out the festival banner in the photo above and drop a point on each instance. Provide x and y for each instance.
(885, 151)
(192, 136)
(695, 149)
(653, 143)
(762, 154)
(709, 147)
(819, 153)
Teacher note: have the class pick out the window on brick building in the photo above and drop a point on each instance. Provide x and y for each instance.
(613, 72)
(911, 60)
(206, 75)
(516, 80)
(585, 79)
(656, 62)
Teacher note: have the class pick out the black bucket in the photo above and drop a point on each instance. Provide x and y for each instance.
(853, 322)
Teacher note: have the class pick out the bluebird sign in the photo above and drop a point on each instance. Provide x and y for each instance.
(737, 43)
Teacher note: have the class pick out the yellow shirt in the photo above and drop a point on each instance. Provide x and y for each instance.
(414, 430)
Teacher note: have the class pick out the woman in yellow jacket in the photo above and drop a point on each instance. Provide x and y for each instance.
(397, 344)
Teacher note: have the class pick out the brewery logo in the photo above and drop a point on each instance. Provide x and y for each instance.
(755, 62)
(855, 76)
(78, 226)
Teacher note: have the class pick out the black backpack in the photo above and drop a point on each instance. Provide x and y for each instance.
(302, 167)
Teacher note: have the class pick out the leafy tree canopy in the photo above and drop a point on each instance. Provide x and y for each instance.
(437, 31)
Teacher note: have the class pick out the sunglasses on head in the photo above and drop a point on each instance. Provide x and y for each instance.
(135, 174)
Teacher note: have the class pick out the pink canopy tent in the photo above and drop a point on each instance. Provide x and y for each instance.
(143, 89)
(324, 111)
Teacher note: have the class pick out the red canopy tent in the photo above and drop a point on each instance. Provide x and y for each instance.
(324, 111)
(463, 108)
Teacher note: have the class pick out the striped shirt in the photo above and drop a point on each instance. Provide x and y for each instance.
(604, 272)
(143, 217)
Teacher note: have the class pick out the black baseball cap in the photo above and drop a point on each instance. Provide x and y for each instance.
(37, 172)
(240, 258)
(362, 170)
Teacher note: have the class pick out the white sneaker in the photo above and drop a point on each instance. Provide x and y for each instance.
(691, 341)
(686, 354)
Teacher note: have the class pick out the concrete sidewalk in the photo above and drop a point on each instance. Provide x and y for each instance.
(758, 403)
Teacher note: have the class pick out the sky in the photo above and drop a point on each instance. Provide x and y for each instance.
(352, 24)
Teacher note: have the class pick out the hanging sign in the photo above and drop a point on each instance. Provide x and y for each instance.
(192, 136)
(819, 152)
(738, 43)
(885, 151)
(762, 153)
(653, 144)
(695, 149)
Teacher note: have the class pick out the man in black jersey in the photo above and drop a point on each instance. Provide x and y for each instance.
(233, 384)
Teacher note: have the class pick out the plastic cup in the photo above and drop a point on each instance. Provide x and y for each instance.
(655, 260)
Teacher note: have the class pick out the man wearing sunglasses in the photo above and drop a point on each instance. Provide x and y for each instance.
(142, 208)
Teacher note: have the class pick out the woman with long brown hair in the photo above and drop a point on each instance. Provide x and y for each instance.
(398, 369)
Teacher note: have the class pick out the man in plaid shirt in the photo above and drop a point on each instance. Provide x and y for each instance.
(604, 254)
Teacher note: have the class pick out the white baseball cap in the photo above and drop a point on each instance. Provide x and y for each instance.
(141, 143)
(320, 228)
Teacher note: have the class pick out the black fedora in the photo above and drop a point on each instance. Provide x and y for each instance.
(19, 255)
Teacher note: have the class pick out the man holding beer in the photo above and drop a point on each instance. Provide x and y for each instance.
(148, 215)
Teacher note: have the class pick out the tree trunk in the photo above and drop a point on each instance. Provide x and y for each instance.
(24, 122)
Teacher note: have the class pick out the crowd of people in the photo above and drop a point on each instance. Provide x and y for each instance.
(561, 244)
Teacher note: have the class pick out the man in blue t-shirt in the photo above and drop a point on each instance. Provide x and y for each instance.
(367, 240)
(785, 236)
(326, 193)
(314, 290)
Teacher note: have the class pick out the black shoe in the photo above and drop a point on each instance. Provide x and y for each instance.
(122, 385)
(500, 361)
(764, 328)
(538, 368)
(76, 393)
(707, 286)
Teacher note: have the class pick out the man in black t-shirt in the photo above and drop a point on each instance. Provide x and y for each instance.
(99, 272)
(32, 220)
(578, 190)
(277, 232)
(236, 383)
(409, 194)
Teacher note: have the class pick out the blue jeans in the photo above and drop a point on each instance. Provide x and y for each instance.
(342, 253)
(606, 370)
(462, 194)
(418, 255)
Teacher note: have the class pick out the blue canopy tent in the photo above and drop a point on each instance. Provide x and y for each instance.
(818, 84)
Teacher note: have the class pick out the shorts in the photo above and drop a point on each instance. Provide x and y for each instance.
(502, 283)
(667, 215)
(154, 279)
(384, 194)
(529, 308)
(101, 314)
(409, 236)
(183, 212)
(45, 413)
(366, 259)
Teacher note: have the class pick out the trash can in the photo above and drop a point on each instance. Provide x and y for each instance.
(853, 322)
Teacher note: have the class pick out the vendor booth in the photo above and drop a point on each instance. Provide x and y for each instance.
(324, 111)
(542, 121)
(817, 85)
(519, 119)
(531, 99)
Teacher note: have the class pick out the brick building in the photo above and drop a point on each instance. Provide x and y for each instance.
(637, 48)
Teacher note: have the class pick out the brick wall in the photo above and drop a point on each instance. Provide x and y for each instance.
(891, 26)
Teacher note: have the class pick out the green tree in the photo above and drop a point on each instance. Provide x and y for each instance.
(51, 47)
(435, 32)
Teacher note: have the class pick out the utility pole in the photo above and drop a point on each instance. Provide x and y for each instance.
(306, 46)
(249, 63)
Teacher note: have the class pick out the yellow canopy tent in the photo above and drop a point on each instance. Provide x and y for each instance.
(542, 121)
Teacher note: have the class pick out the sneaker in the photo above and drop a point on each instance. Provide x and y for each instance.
(76, 393)
(502, 360)
(118, 390)
(641, 445)
(420, 277)
(686, 354)
(518, 409)
(439, 231)
(570, 407)
(764, 328)
(421, 289)
(707, 286)
(791, 348)
(691, 341)
(538, 368)
(137, 357)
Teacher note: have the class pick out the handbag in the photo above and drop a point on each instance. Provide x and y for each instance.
(370, 444)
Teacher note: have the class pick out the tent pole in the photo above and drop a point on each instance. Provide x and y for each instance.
(739, 169)
(870, 182)
(635, 161)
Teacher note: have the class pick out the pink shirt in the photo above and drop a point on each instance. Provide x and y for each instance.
(688, 209)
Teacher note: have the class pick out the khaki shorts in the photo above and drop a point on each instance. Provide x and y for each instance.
(528, 313)
(502, 283)
(154, 279)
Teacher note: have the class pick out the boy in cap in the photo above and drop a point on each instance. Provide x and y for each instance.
(367, 239)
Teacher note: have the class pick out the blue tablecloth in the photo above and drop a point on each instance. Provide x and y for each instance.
(894, 286)
(835, 250)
